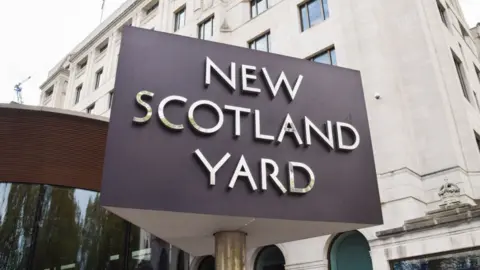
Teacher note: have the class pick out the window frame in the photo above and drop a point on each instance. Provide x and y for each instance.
(443, 13)
(98, 78)
(328, 51)
(151, 7)
(110, 98)
(176, 24)
(78, 92)
(253, 41)
(254, 3)
(82, 64)
(477, 72)
(49, 92)
(461, 75)
(90, 108)
(305, 4)
(201, 27)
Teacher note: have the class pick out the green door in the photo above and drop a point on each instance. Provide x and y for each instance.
(350, 251)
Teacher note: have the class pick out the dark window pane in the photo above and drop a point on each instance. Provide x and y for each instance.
(183, 260)
(147, 251)
(315, 12)
(304, 15)
(76, 233)
(458, 260)
(270, 258)
(17, 214)
(207, 263)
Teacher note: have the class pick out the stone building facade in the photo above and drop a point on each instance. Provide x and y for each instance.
(419, 66)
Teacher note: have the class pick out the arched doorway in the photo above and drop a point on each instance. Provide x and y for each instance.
(270, 258)
(350, 251)
(207, 263)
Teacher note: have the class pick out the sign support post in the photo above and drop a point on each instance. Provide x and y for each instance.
(230, 250)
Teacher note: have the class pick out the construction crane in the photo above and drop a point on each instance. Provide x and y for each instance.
(18, 90)
(101, 11)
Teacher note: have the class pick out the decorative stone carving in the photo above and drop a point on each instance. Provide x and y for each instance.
(449, 193)
(225, 27)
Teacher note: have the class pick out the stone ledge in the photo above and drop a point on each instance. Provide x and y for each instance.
(448, 216)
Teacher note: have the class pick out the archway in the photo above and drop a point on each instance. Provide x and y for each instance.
(270, 258)
(350, 251)
(207, 263)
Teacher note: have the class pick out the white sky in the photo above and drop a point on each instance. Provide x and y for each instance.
(35, 39)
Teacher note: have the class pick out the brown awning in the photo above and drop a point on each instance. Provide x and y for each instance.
(51, 146)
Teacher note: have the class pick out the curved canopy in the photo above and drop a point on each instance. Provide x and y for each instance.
(51, 146)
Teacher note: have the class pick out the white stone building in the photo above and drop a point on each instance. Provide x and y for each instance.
(421, 74)
(476, 35)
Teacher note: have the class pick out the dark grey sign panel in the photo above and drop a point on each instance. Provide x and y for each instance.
(206, 128)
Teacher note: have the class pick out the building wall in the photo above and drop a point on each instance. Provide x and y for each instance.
(422, 125)
(476, 35)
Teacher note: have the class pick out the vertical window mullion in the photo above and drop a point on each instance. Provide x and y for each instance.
(126, 245)
(268, 42)
(320, 3)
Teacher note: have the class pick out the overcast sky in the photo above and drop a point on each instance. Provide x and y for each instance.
(36, 34)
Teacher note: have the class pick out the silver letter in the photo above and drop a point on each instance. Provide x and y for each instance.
(288, 126)
(237, 111)
(144, 105)
(246, 77)
(258, 134)
(208, 73)
(273, 175)
(199, 128)
(282, 78)
(161, 114)
(242, 170)
(311, 180)
(309, 125)
(356, 140)
(212, 170)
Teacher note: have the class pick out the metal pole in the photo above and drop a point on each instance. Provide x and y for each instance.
(230, 250)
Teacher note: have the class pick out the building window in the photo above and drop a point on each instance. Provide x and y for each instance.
(477, 139)
(90, 108)
(78, 92)
(110, 99)
(49, 92)
(151, 7)
(180, 18)
(261, 43)
(102, 47)
(269, 257)
(443, 13)
(476, 100)
(257, 7)
(328, 56)
(98, 78)
(205, 29)
(82, 64)
(207, 263)
(313, 12)
(465, 32)
(53, 227)
(461, 75)
(478, 73)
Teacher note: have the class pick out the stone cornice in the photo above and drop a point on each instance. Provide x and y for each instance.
(53, 76)
(449, 216)
(104, 29)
